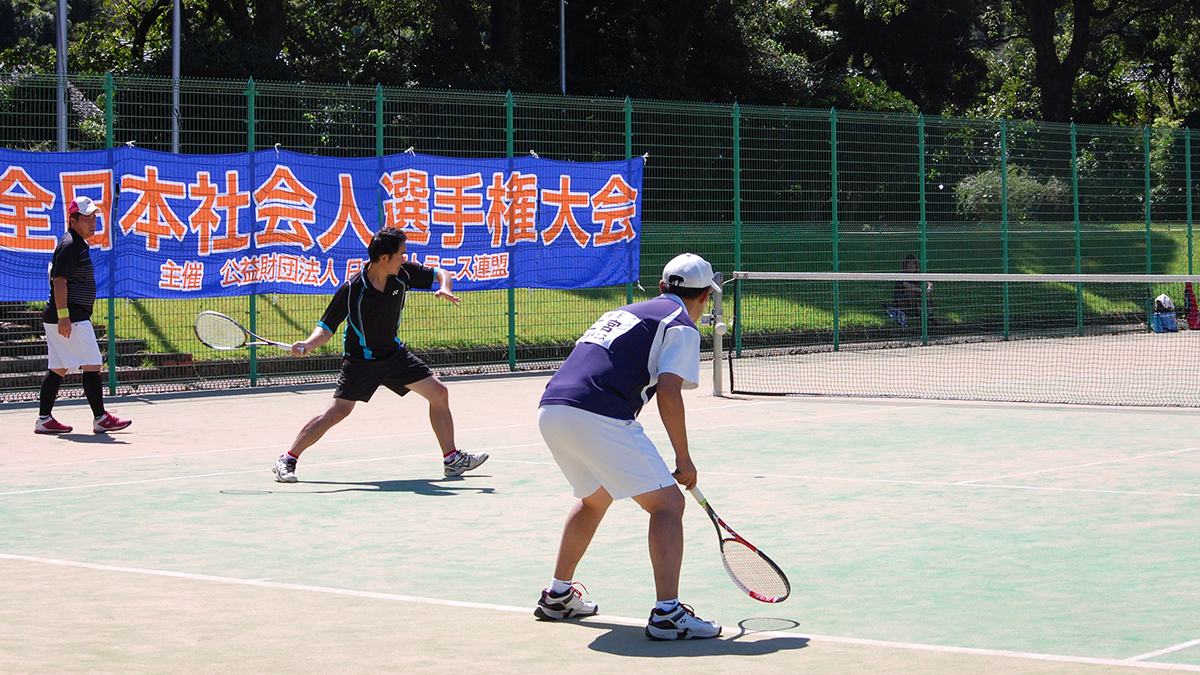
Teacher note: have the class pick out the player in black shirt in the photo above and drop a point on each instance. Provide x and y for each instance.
(70, 338)
(371, 302)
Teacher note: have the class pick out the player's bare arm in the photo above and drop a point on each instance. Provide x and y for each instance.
(60, 301)
(319, 337)
(670, 409)
(445, 281)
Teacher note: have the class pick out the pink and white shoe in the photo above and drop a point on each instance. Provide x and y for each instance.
(107, 423)
(49, 425)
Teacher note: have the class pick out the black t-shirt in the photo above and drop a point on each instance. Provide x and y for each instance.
(73, 262)
(373, 316)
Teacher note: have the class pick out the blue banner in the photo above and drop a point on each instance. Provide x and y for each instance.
(274, 221)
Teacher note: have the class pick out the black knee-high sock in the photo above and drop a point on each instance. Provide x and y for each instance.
(50, 385)
(94, 391)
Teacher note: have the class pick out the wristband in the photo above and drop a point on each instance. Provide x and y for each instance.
(63, 313)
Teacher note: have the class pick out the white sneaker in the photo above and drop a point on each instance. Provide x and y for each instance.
(285, 469)
(680, 623)
(463, 462)
(569, 604)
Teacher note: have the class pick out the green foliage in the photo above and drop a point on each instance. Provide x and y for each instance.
(981, 196)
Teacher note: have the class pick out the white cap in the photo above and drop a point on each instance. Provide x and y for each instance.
(689, 270)
(83, 205)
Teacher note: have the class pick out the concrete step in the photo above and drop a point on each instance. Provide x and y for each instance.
(37, 347)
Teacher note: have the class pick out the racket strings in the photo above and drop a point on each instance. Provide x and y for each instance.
(751, 571)
(219, 332)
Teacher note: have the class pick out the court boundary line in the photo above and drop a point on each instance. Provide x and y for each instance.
(230, 473)
(1131, 662)
(1165, 650)
(1079, 466)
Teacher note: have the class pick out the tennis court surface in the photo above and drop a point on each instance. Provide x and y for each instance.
(920, 537)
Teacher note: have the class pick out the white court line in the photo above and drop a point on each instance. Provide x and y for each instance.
(994, 486)
(259, 583)
(324, 441)
(1080, 466)
(232, 473)
(1166, 650)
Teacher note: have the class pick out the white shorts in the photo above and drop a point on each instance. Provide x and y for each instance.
(74, 352)
(595, 451)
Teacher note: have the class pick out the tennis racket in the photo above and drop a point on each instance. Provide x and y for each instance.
(220, 332)
(750, 568)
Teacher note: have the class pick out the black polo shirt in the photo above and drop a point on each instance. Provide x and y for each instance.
(372, 316)
(73, 262)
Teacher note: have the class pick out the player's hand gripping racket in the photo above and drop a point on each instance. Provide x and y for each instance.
(223, 333)
(750, 569)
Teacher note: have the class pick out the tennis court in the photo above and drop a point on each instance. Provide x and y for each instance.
(919, 536)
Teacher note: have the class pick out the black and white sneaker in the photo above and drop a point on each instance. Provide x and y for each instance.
(680, 623)
(463, 462)
(285, 469)
(564, 606)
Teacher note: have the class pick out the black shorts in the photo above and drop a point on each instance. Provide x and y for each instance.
(359, 378)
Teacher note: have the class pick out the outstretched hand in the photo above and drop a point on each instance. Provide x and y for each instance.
(447, 295)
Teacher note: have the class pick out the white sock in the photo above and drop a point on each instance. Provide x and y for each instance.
(558, 587)
(43, 418)
(666, 606)
(450, 457)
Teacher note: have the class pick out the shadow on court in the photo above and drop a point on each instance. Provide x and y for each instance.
(102, 439)
(430, 488)
(624, 640)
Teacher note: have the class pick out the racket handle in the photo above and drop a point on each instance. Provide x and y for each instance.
(698, 495)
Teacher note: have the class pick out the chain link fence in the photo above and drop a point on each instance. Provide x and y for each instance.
(750, 188)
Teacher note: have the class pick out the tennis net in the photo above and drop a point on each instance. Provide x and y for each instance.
(1089, 339)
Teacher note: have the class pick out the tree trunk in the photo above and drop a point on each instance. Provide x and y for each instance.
(141, 28)
(1054, 77)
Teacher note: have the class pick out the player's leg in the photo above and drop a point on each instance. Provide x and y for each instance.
(311, 432)
(582, 521)
(670, 619)
(454, 461)
(665, 507)
(440, 418)
(568, 435)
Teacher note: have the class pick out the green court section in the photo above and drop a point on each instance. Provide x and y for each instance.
(919, 537)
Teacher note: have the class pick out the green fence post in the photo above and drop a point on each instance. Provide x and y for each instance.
(1004, 216)
(1187, 172)
(512, 291)
(1078, 230)
(924, 226)
(629, 156)
(250, 147)
(737, 223)
(379, 120)
(109, 93)
(1149, 266)
(833, 235)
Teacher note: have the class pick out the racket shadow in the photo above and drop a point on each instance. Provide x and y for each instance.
(425, 487)
(625, 640)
